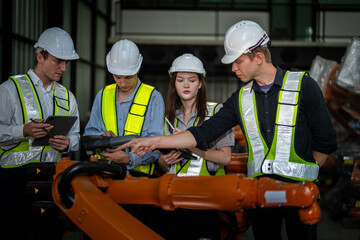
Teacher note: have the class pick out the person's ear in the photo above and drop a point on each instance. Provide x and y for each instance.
(259, 57)
(39, 57)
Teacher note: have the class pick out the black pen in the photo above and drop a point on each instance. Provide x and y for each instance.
(32, 120)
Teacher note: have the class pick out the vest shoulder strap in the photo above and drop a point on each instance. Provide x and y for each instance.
(211, 108)
(108, 108)
(135, 120)
(136, 116)
(61, 100)
(28, 97)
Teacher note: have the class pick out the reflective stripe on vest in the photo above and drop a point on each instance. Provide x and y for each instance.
(281, 158)
(135, 118)
(23, 153)
(199, 167)
(61, 100)
(108, 108)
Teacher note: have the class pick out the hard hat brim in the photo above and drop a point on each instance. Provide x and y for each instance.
(73, 57)
(227, 59)
(173, 69)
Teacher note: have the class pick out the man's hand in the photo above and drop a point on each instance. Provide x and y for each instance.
(116, 155)
(319, 157)
(140, 146)
(108, 134)
(36, 128)
(59, 142)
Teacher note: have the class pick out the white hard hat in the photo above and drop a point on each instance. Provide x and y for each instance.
(58, 43)
(187, 63)
(124, 58)
(242, 38)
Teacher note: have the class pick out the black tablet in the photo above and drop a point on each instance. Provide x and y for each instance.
(62, 125)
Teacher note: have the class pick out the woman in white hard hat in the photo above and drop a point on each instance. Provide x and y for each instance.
(186, 106)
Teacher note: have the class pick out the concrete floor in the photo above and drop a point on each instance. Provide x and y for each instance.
(335, 229)
(328, 229)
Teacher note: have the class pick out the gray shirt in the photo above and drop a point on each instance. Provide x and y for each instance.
(225, 140)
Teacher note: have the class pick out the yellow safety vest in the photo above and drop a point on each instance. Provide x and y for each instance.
(135, 118)
(23, 153)
(281, 158)
(201, 166)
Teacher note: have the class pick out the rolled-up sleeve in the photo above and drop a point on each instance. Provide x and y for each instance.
(215, 126)
(319, 120)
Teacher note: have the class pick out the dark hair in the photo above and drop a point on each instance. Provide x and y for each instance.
(44, 53)
(174, 102)
(263, 50)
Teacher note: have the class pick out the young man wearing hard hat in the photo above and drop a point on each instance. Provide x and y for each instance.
(283, 116)
(25, 102)
(127, 107)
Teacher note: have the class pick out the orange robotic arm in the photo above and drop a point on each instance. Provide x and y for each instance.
(97, 212)
(228, 193)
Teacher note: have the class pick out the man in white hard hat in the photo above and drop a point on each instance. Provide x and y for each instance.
(285, 121)
(127, 107)
(25, 102)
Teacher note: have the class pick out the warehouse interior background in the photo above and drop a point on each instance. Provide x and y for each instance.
(299, 31)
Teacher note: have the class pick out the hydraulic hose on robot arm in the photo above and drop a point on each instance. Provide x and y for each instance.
(92, 202)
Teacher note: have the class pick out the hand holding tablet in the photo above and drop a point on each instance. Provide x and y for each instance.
(62, 125)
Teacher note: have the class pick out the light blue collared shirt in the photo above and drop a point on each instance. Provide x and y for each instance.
(153, 123)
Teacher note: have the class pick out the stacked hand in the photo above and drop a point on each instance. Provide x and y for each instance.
(60, 142)
(170, 158)
(115, 154)
(140, 146)
(173, 156)
(38, 129)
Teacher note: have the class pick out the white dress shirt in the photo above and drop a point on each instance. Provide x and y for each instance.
(11, 131)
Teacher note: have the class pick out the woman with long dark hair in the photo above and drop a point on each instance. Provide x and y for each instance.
(187, 106)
